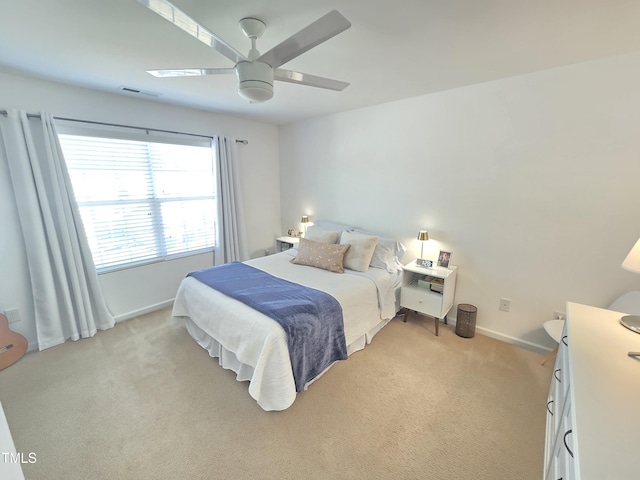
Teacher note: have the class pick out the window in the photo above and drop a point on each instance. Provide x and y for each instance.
(142, 201)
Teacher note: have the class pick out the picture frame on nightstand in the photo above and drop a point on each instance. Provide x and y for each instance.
(444, 259)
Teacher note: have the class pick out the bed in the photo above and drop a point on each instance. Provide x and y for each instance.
(256, 347)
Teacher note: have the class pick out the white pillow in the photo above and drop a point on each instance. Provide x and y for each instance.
(388, 253)
(359, 255)
(334, 227)
(320, 235)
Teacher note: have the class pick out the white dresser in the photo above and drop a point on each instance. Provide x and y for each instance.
(593, 421)
(10, 468)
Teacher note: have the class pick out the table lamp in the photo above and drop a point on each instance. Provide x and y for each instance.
(304, 221)
(632, 263)
(423, 236)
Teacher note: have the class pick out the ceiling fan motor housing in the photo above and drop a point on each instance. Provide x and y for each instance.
(255, 81)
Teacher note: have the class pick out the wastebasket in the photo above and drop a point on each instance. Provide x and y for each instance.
(466, 320)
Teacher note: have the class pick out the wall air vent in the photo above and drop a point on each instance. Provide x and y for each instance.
(138, 92)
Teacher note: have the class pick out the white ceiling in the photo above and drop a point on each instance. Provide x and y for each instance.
(394, 49)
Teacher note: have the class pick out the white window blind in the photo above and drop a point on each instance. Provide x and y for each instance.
(142, 201)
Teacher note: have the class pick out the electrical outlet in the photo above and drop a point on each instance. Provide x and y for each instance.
(505, 304)
(13, 315)
(557, 315)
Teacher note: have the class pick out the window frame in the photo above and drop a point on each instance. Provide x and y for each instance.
(116, 132)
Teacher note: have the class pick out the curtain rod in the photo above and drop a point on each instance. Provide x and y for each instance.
(34, 115)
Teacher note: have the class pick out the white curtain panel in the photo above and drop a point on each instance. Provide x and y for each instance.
(67, 299)
(231, 242)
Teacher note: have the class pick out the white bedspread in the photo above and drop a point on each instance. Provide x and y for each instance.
(255, 346)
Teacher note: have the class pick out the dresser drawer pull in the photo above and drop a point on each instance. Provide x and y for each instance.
(565, 443)
(564, 340)
(555, 375)
(548, 409)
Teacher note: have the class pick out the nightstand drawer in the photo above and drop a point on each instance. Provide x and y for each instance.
(421, 300)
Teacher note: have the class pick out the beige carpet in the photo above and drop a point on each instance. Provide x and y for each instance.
(143, 401)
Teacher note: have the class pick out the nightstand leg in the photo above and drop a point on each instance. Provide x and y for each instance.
(445, 320)
(437, 320)
(548, 357)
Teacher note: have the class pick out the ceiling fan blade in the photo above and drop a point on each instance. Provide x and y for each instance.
(173, 14)
(311, 80)
(191, 72)
(319, 31)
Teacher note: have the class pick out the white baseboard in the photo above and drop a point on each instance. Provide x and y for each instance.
(34, 347)
(507, 338)
(142, 311)
(514, 341)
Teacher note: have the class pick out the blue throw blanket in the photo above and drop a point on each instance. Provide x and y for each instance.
(312, 319)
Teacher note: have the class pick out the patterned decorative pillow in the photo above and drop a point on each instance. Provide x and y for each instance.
(359, 255)
(328, 256)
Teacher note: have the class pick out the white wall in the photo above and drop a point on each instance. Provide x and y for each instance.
(531, 182)
(135, 290)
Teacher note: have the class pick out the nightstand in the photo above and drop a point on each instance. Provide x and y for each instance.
(428, 291)
(285, 243)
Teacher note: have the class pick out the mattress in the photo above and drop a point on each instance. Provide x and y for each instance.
(255, 346)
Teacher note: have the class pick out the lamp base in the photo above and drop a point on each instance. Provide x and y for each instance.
(632, 322)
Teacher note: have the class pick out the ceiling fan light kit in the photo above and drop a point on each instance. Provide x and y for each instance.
(255, 81)
(256, 73)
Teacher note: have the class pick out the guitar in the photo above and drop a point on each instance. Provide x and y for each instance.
(12, 344)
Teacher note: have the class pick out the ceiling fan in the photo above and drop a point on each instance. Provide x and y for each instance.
(255, 72)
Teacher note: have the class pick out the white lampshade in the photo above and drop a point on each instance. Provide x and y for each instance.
(423, 236)
(632, 262)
